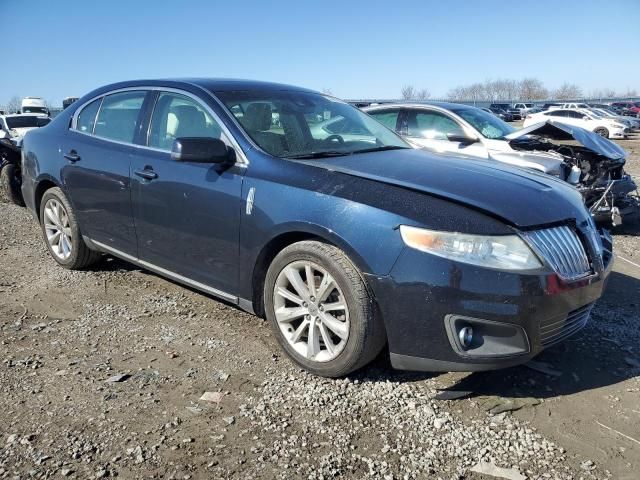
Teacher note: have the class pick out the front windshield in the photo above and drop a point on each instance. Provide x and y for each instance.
(295, 124)
(23, 122)
(487, 124)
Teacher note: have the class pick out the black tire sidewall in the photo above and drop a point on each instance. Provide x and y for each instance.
(360, 312)
(11, 184)
(76, 240)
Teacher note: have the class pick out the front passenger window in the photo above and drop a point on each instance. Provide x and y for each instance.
(432, 125)
(389, 118)
(177, 116)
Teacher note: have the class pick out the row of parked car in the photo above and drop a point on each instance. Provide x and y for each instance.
(517, 111)
(438, 232)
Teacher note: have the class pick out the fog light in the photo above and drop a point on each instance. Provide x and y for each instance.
(466, 336)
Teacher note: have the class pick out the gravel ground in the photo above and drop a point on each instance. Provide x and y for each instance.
(102, 373)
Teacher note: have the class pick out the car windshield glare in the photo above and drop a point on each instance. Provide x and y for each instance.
(487, 124)
(294, 124)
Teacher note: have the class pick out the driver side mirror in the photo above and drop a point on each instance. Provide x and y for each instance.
(202, 150)
(455, 137)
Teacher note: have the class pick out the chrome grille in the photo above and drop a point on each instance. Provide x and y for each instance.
(562, 249)
(557, 329)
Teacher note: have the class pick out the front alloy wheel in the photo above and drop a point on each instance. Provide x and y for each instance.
(311, 311)
(320, 309)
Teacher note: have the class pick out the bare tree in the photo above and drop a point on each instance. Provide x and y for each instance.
(532, 89)
(423, 94)
(13, 105)
(408, 92)
(631, 92)
(568, 91)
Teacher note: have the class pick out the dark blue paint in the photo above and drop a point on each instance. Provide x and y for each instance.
(191, 219)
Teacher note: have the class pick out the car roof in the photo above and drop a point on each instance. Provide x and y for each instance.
(444, 105)
(211, 84)
(13, 115)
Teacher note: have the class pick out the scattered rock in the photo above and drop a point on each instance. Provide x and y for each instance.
(214, 397)
(440, 422)
(118, 378)
(543, 367)
(229, 420)
(489, 468)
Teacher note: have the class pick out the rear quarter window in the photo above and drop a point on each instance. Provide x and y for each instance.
(87, 117)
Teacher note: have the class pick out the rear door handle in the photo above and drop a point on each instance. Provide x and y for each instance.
(72, 156)
(147, 174)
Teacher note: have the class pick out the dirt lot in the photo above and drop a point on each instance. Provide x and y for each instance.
(66, 334)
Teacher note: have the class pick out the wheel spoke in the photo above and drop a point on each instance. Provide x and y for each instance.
(285, 315)
(327, 339)
(295, 337)
(283, 292)
(52, 216)
(341, 329)
(296, 282)
(311, 279)
(313, 341)
(331, 307)
(326, 287)
(54, 238)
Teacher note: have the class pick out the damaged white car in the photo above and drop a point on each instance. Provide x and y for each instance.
(12, 131)
(591, 163)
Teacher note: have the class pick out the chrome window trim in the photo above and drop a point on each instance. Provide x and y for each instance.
(240, 154)
(162, 271)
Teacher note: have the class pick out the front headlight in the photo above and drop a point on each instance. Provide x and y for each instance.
(507, 252)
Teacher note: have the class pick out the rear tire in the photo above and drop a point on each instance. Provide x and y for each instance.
(11, 182)
(61, 232)
(603, 132)
(353, 329)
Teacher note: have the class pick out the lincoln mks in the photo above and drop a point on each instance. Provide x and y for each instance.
(295, 206)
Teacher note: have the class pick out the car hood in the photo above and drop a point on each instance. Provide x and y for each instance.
(561, 131)
(519, 197)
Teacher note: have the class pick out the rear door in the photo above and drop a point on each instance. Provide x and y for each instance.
(389, 117)
(187, 215)
(98, 149)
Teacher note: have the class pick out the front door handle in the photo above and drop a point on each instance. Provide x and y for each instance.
(72, 156)
(147, 174)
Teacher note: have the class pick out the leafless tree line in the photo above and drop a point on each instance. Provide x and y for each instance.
(509, 89)
(15, 104)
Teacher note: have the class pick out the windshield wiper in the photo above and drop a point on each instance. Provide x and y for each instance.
(381, 149)
(323, 154)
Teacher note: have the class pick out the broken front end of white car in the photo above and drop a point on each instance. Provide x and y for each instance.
(591, 163)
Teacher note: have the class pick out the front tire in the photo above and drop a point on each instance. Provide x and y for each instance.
(11, 182)
(603, 132)
(61, 232)
(320, 310)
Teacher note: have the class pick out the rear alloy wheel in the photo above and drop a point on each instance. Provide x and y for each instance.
(61, 232)
(11, 182)
(320, 310)
(603, 132)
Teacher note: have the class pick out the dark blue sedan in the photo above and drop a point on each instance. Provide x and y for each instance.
(296, 206)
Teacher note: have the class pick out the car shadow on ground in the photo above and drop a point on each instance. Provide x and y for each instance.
(603, 354)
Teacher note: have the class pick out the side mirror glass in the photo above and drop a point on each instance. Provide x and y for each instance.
(202, 150)
(456, 137)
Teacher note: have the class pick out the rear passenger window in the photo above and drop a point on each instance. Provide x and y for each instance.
(119, 116)
(87, 117)
(389, 118)
(176, 116)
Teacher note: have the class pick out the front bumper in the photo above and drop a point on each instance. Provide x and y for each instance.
(426, 298)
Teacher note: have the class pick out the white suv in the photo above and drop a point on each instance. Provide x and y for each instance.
(606, 127)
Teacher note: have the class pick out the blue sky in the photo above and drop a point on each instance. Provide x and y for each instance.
(354, 48)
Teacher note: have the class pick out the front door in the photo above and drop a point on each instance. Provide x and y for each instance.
(428, 129)
(187, 215)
